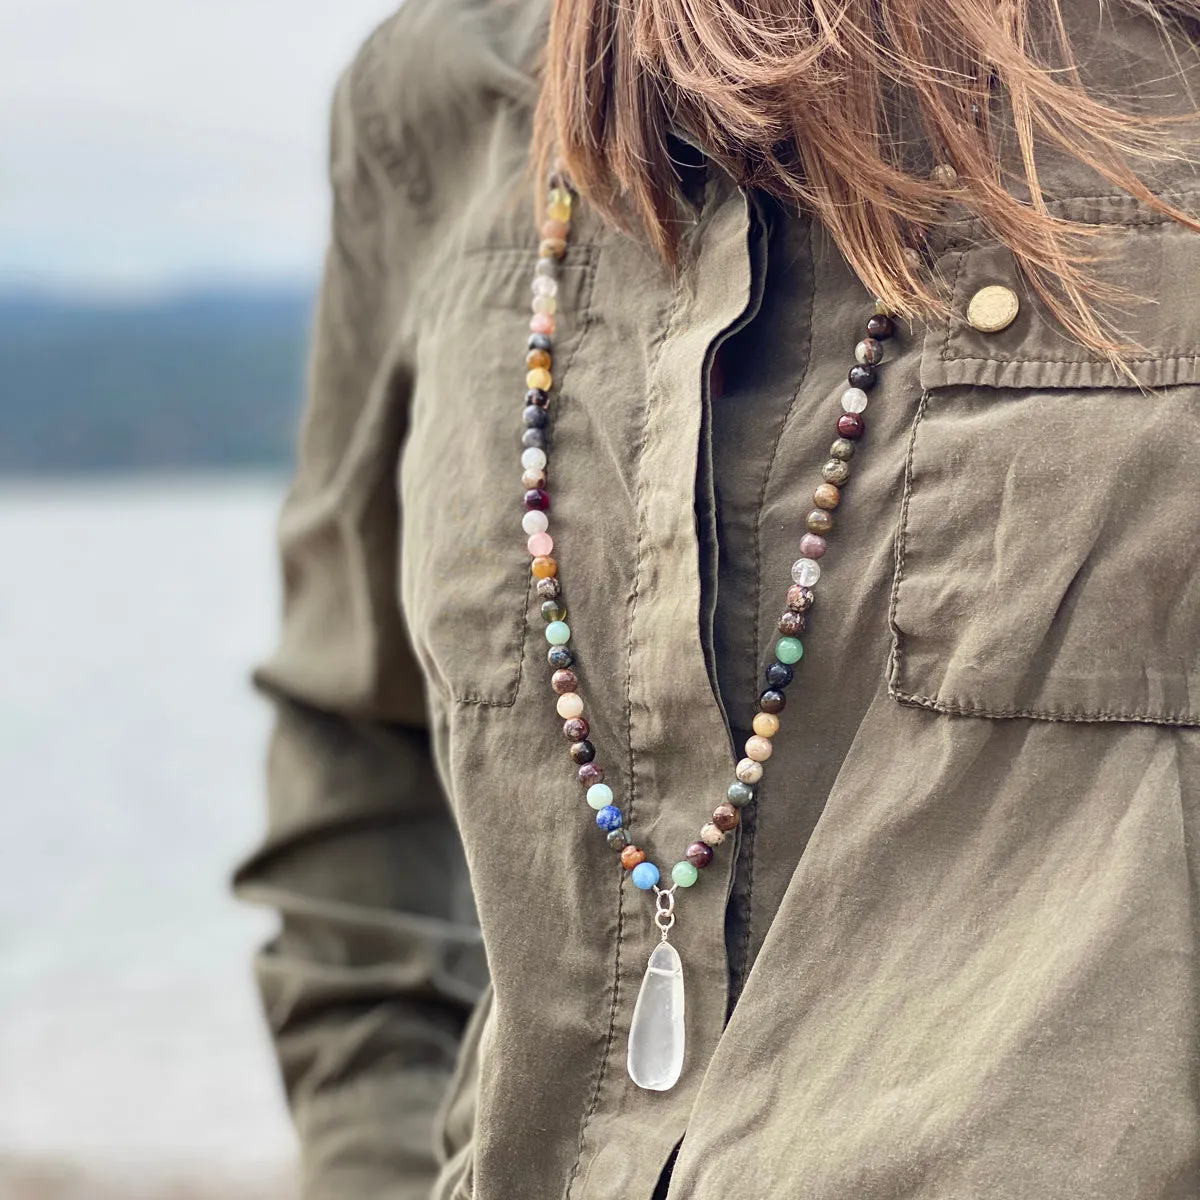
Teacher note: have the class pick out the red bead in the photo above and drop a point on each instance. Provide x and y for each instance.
(851, 425)
(880, 326)
(632, 856)
(591, 773)
(725, 817)
(576, 729)
(538, 499)
(800, 599)
(699, 855)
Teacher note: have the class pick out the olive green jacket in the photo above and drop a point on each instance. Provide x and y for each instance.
(952, 951)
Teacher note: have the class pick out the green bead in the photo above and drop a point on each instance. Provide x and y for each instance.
(553, 610)
(789, 650)
(684, 873)
(558, 633)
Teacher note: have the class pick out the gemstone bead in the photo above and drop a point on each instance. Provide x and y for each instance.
(789, 650)
(699, 854)
(539, 341)
(835, 471)
(851, 426)
(569, 704)
(539, 377)
(610, 818)
(827, 496)
(725, 817)
(800, 598)
(860, 377)
(533, 479)
(543, 324)
(618, 839)
(813, 545)
(710, 835)
(534, 459)
(806, 572)
(558, 633)
(632, 856)
(749, 771)
(740, 794)
(543, 566)
(545, 304)
(540, 545)
(880, 326)
(772, 701)
(599, 796)
(766, 724)
(536, 396)
(546, 268)
(644, 876)
(576, 729)
(537, 498)
(842, 449)
(534, 417)
(549, 589)
(779, 674)
(581, 752)
(552, 247)
(534, 437)
(759, 748)
(564, 681)
(554, 230)
(684, 874)
(791, 624)
(544, 285)
(868, 352)
(819, 521)
(561, 656)
(590, 773)
(538, 358)
(535, 522)
(854, 400)
(553, 610)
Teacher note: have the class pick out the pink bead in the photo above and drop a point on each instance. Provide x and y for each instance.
(542, 323)
(813, 545)
(539, 544)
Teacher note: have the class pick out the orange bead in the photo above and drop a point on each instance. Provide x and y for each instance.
(538, 358)
(544, 567)
(766, 724)
(540, 378)
(631, 856)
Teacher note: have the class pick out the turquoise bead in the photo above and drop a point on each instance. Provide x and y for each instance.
(789, 650)
(684, 873)
(599, 794)
(644, 876)
(558, 633)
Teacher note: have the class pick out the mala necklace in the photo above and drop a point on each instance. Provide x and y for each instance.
(656, 1036)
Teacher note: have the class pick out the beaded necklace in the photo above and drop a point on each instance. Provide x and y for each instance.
(656, 1036)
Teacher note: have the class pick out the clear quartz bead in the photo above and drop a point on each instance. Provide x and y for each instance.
(806, 571)
(854, 400)
(656, 1037)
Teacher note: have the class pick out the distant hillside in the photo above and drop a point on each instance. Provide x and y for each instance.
(202, 381)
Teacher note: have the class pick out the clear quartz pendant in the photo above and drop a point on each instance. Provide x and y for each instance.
(656, 1037)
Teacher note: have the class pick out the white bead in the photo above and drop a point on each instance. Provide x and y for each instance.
(748, 771)
(854, 400)
(570, 705)
(534, 459)
(535, 522)
(545, 285)
(806, 571)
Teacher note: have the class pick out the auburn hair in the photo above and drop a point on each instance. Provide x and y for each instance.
(871, 115)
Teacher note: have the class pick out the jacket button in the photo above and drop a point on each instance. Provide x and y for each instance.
(993, 308)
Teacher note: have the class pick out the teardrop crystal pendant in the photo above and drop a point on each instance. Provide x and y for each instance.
(656, 1037)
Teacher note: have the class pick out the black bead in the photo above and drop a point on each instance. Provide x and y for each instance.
(582, 752)
(534, 438)
(539, 341)
(538, 397)
(779, 675)
(772, 701)
(534, 417)
(862, 377)
(880, 326)
(560, 657)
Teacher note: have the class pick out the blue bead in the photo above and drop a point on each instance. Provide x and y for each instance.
(644, 876)
(610, 818)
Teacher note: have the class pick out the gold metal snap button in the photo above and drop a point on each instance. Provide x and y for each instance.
(993, 308)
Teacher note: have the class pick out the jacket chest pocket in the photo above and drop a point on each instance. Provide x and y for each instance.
(1047, 559)
(466, 579)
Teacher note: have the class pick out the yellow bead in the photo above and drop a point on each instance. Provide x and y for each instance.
(539, 377)
(561, 197)
(545, 304)
(538, 358)
(766, 724)
(558, 211)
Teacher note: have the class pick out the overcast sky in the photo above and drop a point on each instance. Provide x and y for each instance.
(149, 144)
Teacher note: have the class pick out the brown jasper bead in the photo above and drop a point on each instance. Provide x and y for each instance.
(827, 496)
(582, 752)
(819, 521)
(699, 855)
(549, 589)
(725, 817)
(792, 624)
(591, 773)
(576, 729)
(842, 448)
(631, 856)
(538, 358)
(772, 701)
(800, 598)
(564, 681)
(835, 471)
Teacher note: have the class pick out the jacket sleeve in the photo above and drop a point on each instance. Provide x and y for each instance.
(377, 961)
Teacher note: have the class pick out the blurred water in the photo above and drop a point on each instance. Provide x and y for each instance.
(130, 765)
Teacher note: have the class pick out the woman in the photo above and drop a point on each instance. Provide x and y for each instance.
(858, 348)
